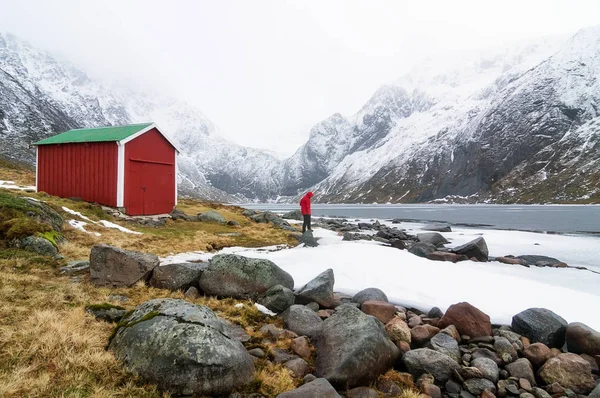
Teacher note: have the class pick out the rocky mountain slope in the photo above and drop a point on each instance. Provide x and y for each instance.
(515, 126)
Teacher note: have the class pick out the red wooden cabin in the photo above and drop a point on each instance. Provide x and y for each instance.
(133, 167)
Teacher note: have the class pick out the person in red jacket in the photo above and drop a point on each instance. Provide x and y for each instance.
(305, 209)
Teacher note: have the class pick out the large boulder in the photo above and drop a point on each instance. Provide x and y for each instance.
(582, 339)
(212, 216)
(353, 348)
(476, 248)
(319, 388)
(541, 325)
(114, 267)
(437, 364)
(437, 228)
(179, 276)
(182, 348)
(371, 293)
(319, 290)
(277, 299)
(570, 371)
(595, 393)
(537, 260)
(293, 215)
(302, 321)
(537, 353)
(468, 319)
(433, 238)
(422, 249)
(230, 275)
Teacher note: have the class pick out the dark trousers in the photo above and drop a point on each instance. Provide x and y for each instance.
(306, 223)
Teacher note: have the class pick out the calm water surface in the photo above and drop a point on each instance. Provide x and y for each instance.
(576, 219)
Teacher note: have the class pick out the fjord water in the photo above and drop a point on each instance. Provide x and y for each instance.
(568, 219)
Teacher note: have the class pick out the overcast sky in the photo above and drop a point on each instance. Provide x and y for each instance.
(266, 71)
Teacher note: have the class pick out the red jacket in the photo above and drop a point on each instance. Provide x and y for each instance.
(305, 203)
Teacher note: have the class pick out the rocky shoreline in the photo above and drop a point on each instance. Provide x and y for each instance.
(339, 345)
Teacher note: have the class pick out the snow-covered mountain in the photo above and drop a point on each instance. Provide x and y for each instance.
(42, 96)
(511, 125)
(519, 123)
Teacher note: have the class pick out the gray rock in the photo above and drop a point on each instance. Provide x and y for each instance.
(308, 239)
(476, 248)
(477, 386)
(38, 245)
(230, 275)
(453, 387)
(233, 223)
(277, 299)
(540, 393)
(319, 388)
(249, 212)
(353, 348)
(313, 306)
(435, 312)
(106, 312)
(192, 293)
(541, 325)
(369, 294)
(437, 228)
(362, 392)
(422, 249)
(445, 344)
(268, 217)
(504, 349)
(234, 331)
(282, 356)
(293, 215)
(466, 394)
(425, 360)
(433, 238)
(181, 347)
(212, 216)
(488, 368)
(177, 214)
(319, 290)
(257, 352)
(534, 259)
(298, 366)
(75, 267)
(522, 368)
(177, 276)
(308, 378)
(114, 267)
(302, 320)
(594, 394)
(44, 214)
(487, 353)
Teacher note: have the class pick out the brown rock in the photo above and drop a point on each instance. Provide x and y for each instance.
(362, 392)
(554, 352)
(525, 341)
(452, 332)
(470, 372)
(525, 384)
(560, 265)
(415, 321)
(443, 256)
(398, 330)
(510, 260)
(298, 366)
(421, 334)
(468, 320)
(403, 346)
(192, 293)
(324, 314)
(582, 339)
(538, 354)
(388, 388)
(432, 390)
(114, 267)
(487, 394)
(570, 371)
(592, 361)
(431, 321)
(301, 347)
(379, 309)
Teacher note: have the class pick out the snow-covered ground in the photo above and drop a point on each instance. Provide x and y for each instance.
(500, 290)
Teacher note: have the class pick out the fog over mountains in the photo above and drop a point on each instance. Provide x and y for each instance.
(498, 125)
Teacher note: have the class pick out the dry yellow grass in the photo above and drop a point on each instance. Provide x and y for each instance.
(19, 174)
(49, 345)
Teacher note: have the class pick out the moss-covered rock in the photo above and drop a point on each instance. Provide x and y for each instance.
(230, 275)
(182, 348)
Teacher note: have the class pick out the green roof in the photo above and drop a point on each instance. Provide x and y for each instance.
(100, 134)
